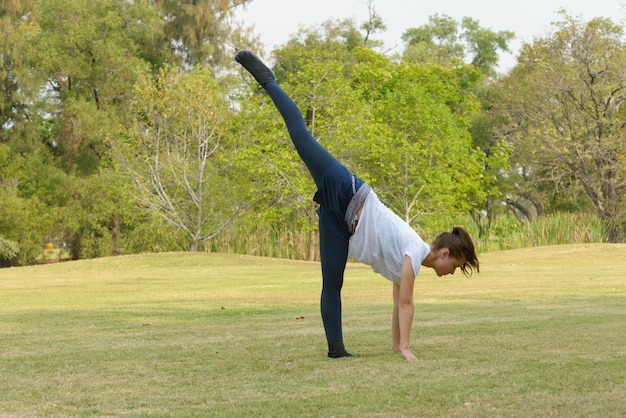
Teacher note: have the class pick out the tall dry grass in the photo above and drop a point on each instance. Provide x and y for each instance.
(279, 240)
(286, 240)
(509, 233)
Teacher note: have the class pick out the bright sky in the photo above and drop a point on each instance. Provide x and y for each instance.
(276, 20)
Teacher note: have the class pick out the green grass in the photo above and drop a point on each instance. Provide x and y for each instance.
(540, 332)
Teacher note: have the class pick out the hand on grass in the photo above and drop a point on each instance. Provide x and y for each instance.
(406, 353)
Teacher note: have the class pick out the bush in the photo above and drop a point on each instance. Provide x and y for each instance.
(8, 251)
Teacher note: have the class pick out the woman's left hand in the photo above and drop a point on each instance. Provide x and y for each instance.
(408, 354)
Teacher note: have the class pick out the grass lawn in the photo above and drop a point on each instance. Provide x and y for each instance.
(540, 332)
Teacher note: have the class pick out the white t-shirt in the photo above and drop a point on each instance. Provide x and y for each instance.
(382, 239)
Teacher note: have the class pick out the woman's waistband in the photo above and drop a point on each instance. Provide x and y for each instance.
(355, 203)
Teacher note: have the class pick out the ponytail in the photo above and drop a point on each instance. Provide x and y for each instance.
(460, 245)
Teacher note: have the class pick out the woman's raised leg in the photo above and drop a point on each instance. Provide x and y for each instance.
(316, 157)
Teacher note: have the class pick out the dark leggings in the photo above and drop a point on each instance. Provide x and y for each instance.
(333, 249)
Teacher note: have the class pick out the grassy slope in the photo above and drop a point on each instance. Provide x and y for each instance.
(540, 332)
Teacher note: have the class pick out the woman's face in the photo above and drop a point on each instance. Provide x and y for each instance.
(446, 264)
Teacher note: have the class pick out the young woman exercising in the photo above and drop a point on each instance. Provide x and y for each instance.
(354, 223)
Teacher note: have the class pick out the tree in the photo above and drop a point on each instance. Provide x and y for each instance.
(98, 213)
(85, 56)
(13, 92)
(420, 159)
(372, 25)
(23, 222)
(440, 41)
(8, 251)
(564, 101)
(437, 41)
(89, 216)
(204, 31)
(179, 165)
(483, 45)
(25, 217)
(402, 128)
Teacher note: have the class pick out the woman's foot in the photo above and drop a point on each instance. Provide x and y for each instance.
(261, 72)
(337, 350)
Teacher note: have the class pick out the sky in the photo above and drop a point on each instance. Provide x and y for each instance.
(275, 21)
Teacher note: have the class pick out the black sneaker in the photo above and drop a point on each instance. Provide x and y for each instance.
(255, 66)
(337, 350)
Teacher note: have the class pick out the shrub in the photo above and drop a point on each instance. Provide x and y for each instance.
(8, 251)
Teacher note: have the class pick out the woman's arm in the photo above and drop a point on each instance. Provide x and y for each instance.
(395, 322)
(403, 311)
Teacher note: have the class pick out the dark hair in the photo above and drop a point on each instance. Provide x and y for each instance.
(460, 245)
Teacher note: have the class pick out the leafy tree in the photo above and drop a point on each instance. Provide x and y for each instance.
(86, 56)
(564, 100)
(422, 112)
(441, 41)
(14, 93)
(372, 25)
(204, 31)
(98, 213)
(483, 45)
(501, 195)
(463, 46)
(88, 216)
(67, 71)
(25, 218)
(8, 251)
(421, 159)
(437, 41)
(24, 222)
(179, 165)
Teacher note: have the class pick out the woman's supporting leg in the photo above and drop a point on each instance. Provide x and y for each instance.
(333, 248)
(334, 254)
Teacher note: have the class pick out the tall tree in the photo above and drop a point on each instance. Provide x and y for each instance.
(565, 100)
(437, 41)
(445, 42)
(14, 91)
(25, 219)
(483, 45)
(204, 31)
(442, 40)
(68, 66)
(86, 55)
(421, 158)
(372, 25)
(180, 167)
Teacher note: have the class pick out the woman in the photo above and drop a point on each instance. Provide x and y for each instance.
(354, 223)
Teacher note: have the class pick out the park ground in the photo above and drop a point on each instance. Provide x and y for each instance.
(539, 332)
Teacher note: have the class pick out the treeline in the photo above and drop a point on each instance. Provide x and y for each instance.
(126, 127)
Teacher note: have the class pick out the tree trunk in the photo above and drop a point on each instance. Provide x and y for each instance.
(116, 235)
(312, 245)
